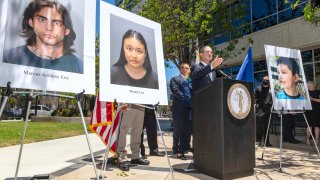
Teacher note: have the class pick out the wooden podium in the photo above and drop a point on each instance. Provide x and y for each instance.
(223, 124)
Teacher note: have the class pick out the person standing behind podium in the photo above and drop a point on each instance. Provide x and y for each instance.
(263, 109)
(150, 123)
(204, 72)
(132, 118)
(314, 114)
(180, 111)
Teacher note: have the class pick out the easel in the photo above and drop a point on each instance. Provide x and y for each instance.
(154, 108)
(31, 95)
(7, 95)
(78, 98)
(281, 112)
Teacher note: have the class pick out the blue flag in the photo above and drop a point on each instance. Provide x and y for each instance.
(246, 70)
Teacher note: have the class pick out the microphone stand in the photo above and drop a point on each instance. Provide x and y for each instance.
(224, 74)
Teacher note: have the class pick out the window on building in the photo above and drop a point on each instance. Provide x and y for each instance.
(290, 13)
(259, 66)
(235, 71)
(306, 56)
(317, 74)
(282, 5)
(308, 71)
(264, 23)
(221, 38)
(240, 12)
(317, 55)
(264, 14)
(261, 9)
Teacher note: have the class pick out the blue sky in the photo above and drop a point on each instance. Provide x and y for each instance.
(171, 71)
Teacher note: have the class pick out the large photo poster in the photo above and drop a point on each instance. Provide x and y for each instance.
(48, 45)
(287, 79)
(131, 58)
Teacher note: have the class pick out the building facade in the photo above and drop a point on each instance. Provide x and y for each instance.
(273, 22)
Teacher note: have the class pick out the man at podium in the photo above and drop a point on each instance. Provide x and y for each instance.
(204, 72)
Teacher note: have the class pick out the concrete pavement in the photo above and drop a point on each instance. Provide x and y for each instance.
(45, 157)
(69, 158)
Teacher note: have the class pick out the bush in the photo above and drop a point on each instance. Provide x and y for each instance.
(66, 112)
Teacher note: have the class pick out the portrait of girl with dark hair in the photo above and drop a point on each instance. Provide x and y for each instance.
(134, 67)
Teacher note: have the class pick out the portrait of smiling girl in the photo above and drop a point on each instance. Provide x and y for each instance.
(134, 67)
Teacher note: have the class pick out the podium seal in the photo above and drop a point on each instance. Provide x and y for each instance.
(239, 101)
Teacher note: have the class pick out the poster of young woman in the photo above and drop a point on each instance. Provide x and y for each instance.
(287, 79)
(132, 66)
(48, 45)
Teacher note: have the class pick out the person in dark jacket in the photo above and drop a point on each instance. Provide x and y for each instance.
(204, 72)
(180, 111)
(150, 123)
(263, 109)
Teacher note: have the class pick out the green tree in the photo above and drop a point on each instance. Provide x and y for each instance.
(189, 24)
(311, 10)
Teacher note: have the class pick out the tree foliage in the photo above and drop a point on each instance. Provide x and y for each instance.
(189, 24)
(311, 10)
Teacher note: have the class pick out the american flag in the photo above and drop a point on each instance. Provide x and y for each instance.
(101, 122)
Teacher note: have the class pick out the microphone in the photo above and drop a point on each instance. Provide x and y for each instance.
(224, 74)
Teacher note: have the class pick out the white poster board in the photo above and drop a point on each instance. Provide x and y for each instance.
(132, 66)
(287, 79)
(23, 57)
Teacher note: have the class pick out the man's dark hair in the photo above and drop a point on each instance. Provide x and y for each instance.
(36, 6)
(291, 63)
(202, 48)
(183, 64)
(122, 59)
(265, 74)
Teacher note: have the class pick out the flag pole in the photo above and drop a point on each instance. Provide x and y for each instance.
(110, 136)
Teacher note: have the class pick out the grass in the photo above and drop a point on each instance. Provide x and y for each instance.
(11, 132)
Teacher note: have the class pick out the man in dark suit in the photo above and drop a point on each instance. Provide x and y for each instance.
(204, 72)
(180, 88)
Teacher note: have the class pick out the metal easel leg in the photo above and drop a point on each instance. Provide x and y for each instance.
(23, 135)
(102, 170)
(3, 105)
(267, 133)
(311, 133)
(280, 170)
(78, 97)
(164, 144)
(7, 94)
